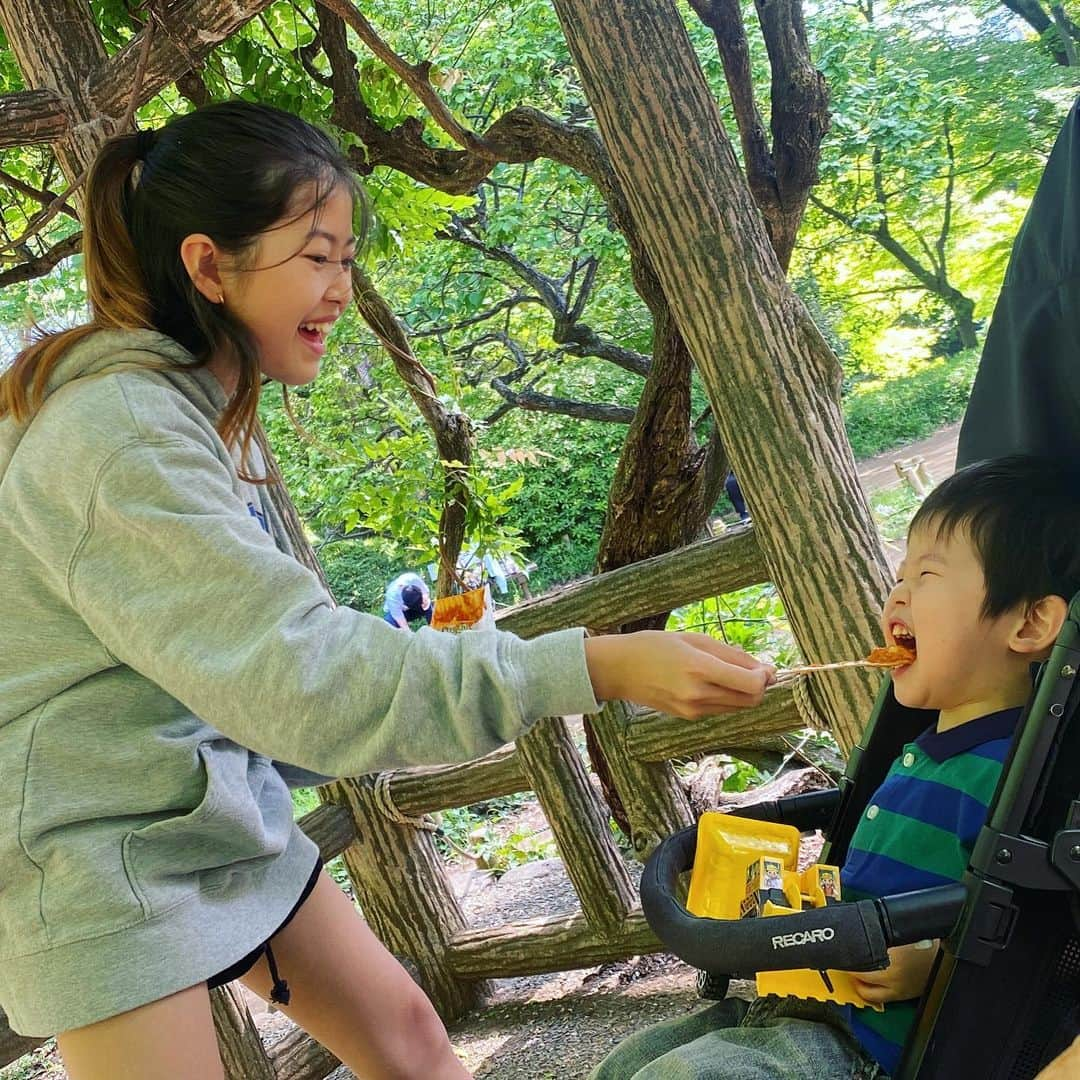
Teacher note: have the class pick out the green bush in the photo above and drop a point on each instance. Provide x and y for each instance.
(885, 413)
(560, 510)
(359, 574)
(752, 618)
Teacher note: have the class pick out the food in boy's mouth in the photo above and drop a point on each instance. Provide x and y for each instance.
(884, 656)
(891, 656)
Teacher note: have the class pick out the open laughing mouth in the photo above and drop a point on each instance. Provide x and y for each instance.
(902, 636)
(315, 335)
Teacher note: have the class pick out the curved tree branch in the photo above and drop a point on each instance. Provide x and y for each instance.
(415, 76)
(534, 401)
(40, 265)
(780, 177)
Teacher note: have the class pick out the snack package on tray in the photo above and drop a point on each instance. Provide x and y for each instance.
(749, 869)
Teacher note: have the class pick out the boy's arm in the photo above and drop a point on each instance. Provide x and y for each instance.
(905, 977)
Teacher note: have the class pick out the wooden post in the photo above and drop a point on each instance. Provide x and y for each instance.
(241, 1049)
(579, 820)
(655, 802)
(913, 472)
(402, 888)
(763, 363)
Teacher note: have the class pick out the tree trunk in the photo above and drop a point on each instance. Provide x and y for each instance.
(57, 46)
(769, 374)
(963, 309)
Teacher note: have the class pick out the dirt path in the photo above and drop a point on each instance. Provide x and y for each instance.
(938, 451)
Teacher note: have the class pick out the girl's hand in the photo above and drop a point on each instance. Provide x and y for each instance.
(905, 977)
(686, 674)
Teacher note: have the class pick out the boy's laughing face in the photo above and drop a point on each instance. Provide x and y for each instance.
(965, 666)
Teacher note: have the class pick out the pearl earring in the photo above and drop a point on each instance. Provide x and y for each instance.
(221, 298)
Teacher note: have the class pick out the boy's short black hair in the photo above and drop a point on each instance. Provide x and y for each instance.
(411, 596)
(1022, 514)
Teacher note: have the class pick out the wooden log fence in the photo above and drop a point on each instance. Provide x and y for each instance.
(382, 825)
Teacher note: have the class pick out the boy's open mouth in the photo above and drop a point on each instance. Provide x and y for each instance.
(901, 635)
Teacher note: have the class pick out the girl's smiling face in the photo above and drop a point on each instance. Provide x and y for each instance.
(966, 665)
(292, 289)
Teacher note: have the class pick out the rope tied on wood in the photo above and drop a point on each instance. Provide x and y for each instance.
(384, 800)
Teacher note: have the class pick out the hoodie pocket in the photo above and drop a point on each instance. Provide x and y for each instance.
(237, 827)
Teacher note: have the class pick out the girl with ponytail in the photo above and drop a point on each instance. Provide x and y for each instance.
(167, 667)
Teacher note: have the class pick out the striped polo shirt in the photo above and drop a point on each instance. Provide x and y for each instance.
(916, 832)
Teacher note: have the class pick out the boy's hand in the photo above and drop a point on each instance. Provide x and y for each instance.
(904, 978)
(685, 674)
(1065, 1066)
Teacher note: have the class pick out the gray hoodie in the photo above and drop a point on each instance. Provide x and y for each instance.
(159, 648)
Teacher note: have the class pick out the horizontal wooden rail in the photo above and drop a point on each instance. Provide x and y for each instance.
(551, 943)
(658, 737)
(424, 791)
(331, 828)
(297, 1056)
(708, 568)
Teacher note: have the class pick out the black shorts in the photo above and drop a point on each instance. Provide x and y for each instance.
(246, 963)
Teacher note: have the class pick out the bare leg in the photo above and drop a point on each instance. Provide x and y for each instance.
(351, 995)
(170, 1039)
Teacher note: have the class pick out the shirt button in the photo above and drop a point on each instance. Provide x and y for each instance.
(909, 759)
(872, 813)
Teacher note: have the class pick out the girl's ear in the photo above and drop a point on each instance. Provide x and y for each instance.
(202, 260)
(1039, 627)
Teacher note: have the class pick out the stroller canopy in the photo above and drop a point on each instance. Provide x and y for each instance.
(1026, 397)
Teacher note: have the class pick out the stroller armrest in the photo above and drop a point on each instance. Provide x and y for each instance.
(806, 812)
(847, 937)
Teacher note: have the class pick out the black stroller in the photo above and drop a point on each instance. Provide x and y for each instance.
(1006, 987)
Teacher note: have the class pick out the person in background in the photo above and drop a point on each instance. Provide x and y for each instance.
(407, 599)
(734, 493)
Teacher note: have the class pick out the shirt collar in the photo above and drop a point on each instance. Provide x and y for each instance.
(941, 745)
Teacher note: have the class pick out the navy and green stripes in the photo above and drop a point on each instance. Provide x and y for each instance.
(918, 831)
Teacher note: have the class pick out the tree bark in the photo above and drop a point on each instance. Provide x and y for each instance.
(710, 567)
(578, 820)
(185, 34)
(764, 364)
(963, 309)
(32, 116)
(780, 177)
(57, 45)
(44, 115)
(297, 1056)
(548, 943)
(241, 1049)
(1031, 11)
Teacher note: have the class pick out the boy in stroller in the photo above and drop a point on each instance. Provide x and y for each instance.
(982, 593)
